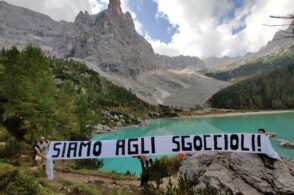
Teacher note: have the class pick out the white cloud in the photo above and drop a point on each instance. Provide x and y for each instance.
(58, 9)
(201, 34)
(96, 7)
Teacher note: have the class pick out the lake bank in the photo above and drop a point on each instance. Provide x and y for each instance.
(236, 113)
(199, 115)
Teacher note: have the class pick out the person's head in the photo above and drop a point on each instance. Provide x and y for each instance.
(261, 131)
(42, 139)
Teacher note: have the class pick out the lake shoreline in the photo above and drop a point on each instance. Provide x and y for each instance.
(278, 121)
(203, 115)
(235, 113)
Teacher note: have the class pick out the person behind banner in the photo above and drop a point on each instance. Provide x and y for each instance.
(267, 161)
(41, 149)
(146, 164)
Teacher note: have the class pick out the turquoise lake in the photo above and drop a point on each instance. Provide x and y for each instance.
(280, 123)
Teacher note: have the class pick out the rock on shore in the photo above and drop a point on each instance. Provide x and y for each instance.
(235, 173)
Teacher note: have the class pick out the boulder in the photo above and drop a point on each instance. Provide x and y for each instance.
(115, 117)
(119, 125)
(286, 143)
(106, 113)
(99, 127)
(106, 128)
(235, 173)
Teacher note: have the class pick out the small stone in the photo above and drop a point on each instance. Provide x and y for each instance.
(118, 124)
(115, 117)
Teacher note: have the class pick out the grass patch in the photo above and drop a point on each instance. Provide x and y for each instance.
(13, 181)
(110, 175)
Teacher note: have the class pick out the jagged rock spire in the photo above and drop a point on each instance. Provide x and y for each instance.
(114, 6)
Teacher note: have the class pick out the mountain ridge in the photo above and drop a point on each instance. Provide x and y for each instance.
(110, 45)
(279, 43)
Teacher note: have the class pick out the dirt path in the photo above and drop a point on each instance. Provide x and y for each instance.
(130, 185)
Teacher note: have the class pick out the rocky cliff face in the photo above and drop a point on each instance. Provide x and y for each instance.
(108, 38)
(234, 173)
(281, 40)
(180, 62)
(109, 44)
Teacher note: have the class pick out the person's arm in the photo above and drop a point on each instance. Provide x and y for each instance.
(40, 154)
(271, 135)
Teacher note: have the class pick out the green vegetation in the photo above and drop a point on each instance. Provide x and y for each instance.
(260, 65)
(164, 167)
(12, 181)
(62, 100)
(30, 181)
(90, 164)
(271, 90)
(185, 187)
(59, 98)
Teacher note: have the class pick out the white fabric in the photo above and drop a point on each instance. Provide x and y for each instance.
(49, 169)
(161, 145)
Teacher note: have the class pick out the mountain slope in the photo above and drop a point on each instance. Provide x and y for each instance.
(280, 41)
(110, 45)
(270, 90)
(39, 95)
(256, 66)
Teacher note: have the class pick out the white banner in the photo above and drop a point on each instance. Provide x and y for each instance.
(161, 145)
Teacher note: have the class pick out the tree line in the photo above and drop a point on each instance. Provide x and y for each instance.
(269, 90)
(58, 98)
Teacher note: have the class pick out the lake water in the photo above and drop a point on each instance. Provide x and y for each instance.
(280, 123)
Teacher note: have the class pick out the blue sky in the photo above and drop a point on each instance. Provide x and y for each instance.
(206, 28)
(156, 27)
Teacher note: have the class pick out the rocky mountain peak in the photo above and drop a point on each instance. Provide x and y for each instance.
(109, 44)
(114, 7)
(83, 18)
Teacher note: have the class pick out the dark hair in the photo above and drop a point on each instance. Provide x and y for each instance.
(263, 130)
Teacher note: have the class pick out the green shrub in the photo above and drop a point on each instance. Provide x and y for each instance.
(185, 184)
(4, 135)
(11, 149)
(127, 173)
(92, 164)
(164, 167)
(185, 187)
(14, 182)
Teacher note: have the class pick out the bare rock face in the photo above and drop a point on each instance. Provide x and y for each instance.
(234, 173)
(110, 45)
(114, 6)
(180, 62)
(107, 38)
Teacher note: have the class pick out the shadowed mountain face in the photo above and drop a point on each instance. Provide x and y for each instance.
(109, 44)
